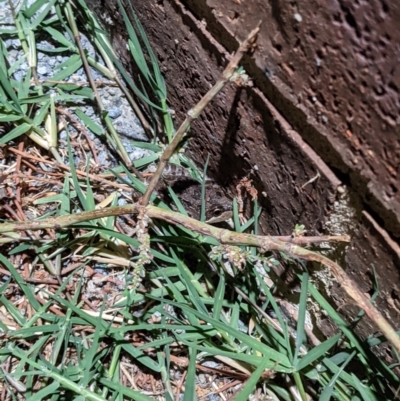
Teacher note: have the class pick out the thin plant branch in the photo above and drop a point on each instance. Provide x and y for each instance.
(263, 243)
(193, 113)
(115, 138)
(114, 76)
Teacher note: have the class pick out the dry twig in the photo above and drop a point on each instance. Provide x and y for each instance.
(193, 113)
(264, 243)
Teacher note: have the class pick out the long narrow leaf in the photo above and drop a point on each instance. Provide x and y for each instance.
(317, 352)
(190, 386)
(256, 345)
(300, 332)
(328, 390)
(251, 383)
(21, 282)
(15, 133)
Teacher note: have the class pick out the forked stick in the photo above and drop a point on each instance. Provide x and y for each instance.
(193, 113)
(264, 243)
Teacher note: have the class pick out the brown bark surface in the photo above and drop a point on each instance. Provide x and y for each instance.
(325, 101)
(332, 68)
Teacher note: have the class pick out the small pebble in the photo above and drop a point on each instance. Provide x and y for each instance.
(210, 364)
(115, 112)
(89, 111)
(137, 154)
(298, 17)
(42, 70)
(103, 158)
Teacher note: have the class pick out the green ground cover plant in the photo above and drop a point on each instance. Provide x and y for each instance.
(176, 292)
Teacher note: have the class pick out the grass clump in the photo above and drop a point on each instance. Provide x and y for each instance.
(98, 304)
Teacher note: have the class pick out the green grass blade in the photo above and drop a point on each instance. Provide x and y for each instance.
(300, 332)
(282, 392)
(73, 64)
(190, 385)
(236, 220)
(219, 297)
(193, 285)
(181, 299)
(42, 15)
(90, 202)
(21, 282)
(148, 146)
(81, 195)
(234, 320)
(127, 392)
(317, 352)
(42, 113)
(252, 382)
(249, 341)
(252, 220)
(159, 79)
(45, 391)
(328, 390)
(276, 309)
(145, 360)
(128, 79)
(13, 311)
(6, 118)
(364, 391)
(203, 191)
(95, 128)
(57, 35)
(61, 339)
(6, 86)
(35, 7)
(177, 201)
(352, 337)
(92, 351)
(135, 47)
(24, 86)
(257, 213)
(15, 133)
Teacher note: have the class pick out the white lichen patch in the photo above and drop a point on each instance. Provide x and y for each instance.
(341, 221)
(325, 277)
(342, 218)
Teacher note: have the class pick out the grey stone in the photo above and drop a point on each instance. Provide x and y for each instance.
(42, 70)
(115, 112)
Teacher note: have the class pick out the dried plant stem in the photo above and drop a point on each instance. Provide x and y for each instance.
(302, 241)
(99, 178)
(264, 243)
(62, 222)
(193, 113)
(138, 112)
(119, 147)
